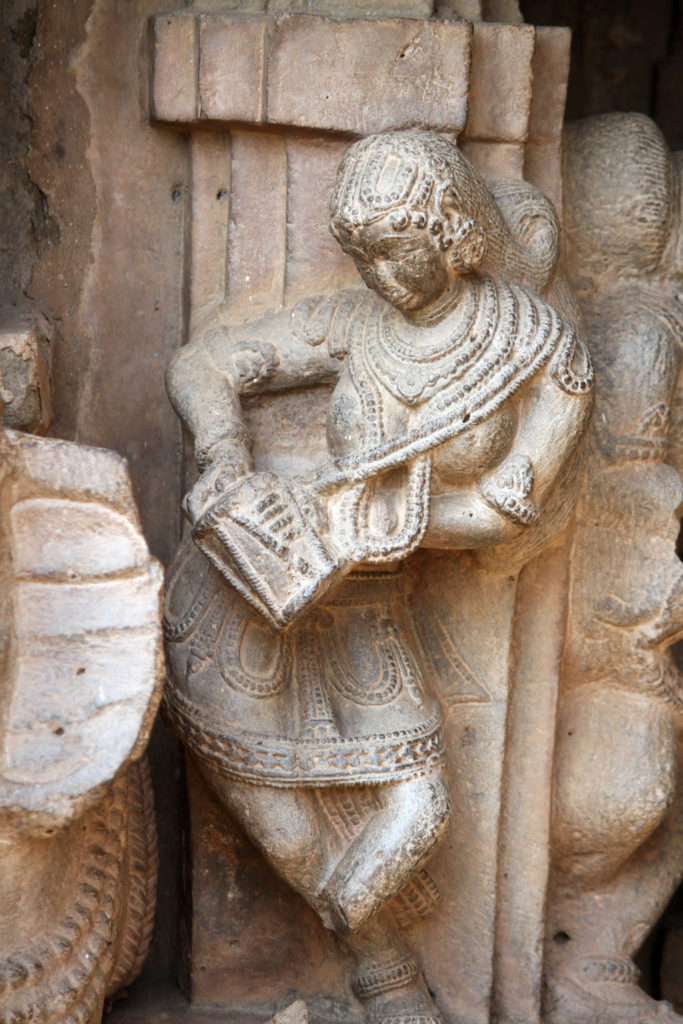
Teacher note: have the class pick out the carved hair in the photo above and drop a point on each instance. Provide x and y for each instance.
(620, 193)
(411, 176)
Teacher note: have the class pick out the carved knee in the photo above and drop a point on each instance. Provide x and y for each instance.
(615, 777)
(420, 813)
(282, 823)
(424, 806)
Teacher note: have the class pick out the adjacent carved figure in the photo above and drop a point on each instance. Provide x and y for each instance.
(618, 828)
(81, 673)
(461, 393)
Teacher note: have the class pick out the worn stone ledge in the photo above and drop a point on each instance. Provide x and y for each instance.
(500, 82)
(310, 72)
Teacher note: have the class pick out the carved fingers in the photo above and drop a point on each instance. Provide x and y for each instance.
(231, 462)
(253, 363)
(508, 490)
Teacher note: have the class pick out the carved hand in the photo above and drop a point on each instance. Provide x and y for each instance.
(228, 461)
(253, 363)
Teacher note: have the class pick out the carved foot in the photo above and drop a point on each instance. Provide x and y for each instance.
(602, 990)
(394, 992)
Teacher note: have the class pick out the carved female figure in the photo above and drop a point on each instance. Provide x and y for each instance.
(460, 398)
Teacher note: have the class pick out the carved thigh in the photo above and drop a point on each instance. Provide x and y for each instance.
(615, 778)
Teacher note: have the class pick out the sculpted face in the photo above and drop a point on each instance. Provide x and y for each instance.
(408, 268)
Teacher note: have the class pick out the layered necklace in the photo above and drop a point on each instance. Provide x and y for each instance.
(416, 362)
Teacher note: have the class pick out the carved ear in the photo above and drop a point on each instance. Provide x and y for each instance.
(467, 237)
(469, 247)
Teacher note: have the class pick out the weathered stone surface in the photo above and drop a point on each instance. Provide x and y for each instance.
(233, 79)
(84, 673)
(362, 77)
(617, 820)
(78, 905)
(26, 340)
(550, 72)
(118, 191)
(543, 150)
(496, 710)
(543, 167)
(211, 203)
(496, 159)
(284, 724)
(296, 1013)
(379, 9)
(344, 76)
(314, 260)
(175, 51)
(257, 244)
(500, 82)
(81, 669)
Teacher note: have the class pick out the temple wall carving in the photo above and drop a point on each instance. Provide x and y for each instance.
(417, 495)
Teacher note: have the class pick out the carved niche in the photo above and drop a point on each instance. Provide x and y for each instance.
(263, 176)
(402, 664)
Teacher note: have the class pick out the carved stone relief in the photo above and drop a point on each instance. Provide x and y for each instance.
(461, 394)
(80, 658)
(426, 689)
(260, 241)
(617, 841)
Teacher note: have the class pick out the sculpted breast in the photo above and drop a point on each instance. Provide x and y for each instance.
(477, 450)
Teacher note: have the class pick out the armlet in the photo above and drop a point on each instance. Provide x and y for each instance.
(571, 366)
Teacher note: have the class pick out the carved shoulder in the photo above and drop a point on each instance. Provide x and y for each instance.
(331, 318)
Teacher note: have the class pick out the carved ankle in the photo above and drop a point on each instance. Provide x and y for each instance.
(381, 976)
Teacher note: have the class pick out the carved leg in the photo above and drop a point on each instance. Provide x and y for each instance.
(292, 829)
(387, 978)
(397, 839)
(618, 849)
(289, 828)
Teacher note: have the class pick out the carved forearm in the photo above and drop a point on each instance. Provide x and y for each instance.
(462, 519)
(552, 425)
(275, 353)
(511, 498)
(206, 401)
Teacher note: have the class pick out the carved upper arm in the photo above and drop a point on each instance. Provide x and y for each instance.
(285, 349)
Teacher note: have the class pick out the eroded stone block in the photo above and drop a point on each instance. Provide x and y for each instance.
(232, 75)
(363, 77)
(175, 62)
(26, 340)
(82, 676)
(500, 82)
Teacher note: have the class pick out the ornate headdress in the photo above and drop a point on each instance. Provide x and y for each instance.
(406, 174)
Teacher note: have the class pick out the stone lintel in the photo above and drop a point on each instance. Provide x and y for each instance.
(500, 82)
(305, 71)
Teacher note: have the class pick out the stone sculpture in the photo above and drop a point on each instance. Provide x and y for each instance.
(617, 834)
(462, 393)
(80, 660)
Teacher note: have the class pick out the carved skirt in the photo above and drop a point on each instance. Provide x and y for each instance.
(337, 700)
